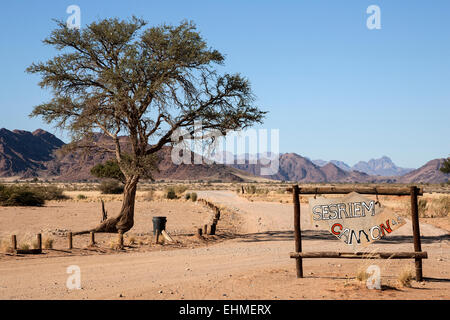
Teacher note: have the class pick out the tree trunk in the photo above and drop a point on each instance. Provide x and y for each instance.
(125, 220)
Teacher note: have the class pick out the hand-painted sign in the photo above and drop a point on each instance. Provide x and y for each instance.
(353, 219)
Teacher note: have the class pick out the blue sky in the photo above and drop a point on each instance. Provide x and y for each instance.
(334, 88)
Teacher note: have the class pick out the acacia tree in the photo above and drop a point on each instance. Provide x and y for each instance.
(108, 170)
(445, 168)
(119, 77)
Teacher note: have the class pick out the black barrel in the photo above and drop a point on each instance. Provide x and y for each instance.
(159, 223)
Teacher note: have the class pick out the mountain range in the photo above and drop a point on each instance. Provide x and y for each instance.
(35, 154)
(378, 167)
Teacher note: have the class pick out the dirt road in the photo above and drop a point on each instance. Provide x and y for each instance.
(253, 265)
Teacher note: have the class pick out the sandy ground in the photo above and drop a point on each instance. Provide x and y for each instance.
(57, 218)
(252, 263)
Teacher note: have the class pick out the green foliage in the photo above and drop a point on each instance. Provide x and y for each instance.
(110, 170)
(23, 198)
(445, 168)
(250, 189)
(111, 187)
(26, 195)
(187, 196)
(170, 193)
(81, 197)
(194, 196)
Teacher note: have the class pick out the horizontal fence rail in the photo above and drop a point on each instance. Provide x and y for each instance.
(382, 191)
(361, 255)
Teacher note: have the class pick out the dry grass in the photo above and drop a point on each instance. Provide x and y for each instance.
(48, 243)
(114, 244)
(430, 206)
(405, 276)
(361, 274)
(24, 246)
(34, 245)
(6, 247)
(131, 240)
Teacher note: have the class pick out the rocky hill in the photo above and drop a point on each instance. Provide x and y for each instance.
(24, 153)
(428, 173)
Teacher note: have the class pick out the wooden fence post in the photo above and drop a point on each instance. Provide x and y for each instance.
(416, 231)
(297, 229)
(120, 240)
(39, 241)
(92, 238)
(199, 232)
(14, 241)
(70, 241)
(212, 229)
(205, 229)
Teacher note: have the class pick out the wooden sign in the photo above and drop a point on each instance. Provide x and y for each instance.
(353, 219)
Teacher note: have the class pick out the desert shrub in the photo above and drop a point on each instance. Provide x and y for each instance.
(111, 187)
(175, 192)
(50, 193)
(132, 240)
(5, 246)
(422, 206)
(26, 195)
(81, 197)
(48, 243)
(24, 246)
(405, 277)
(187, 196)
(362, 275)
(179, 189)
(35, 244)
(441, 207)
(262, 191)
(21, 198)
(250, 189)
(194, 196)
(170, 193)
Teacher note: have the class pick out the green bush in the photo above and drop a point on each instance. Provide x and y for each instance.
(250, 189)
(187, 196)
(170, 193)
(25, 195)
(81, 197)
(111, 187)
(23, 198)
(193, 196)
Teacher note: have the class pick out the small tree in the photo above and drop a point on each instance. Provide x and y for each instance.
(445, 168)
(116, 77)
(108, 170)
